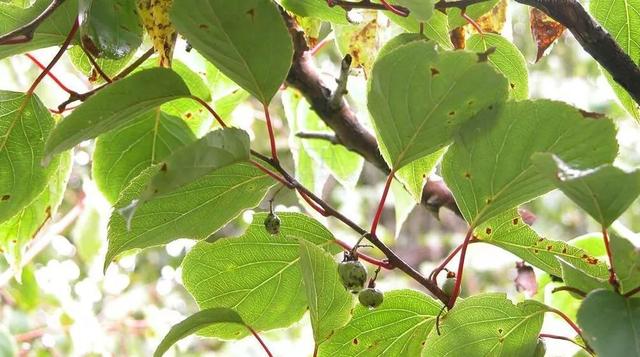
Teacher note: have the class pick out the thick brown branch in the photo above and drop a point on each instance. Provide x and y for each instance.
(341, 118)
(595, 40)
(25, 33)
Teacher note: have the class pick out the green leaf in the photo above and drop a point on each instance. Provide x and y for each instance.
(192, 112)
(604, 192)
(415, 174)
(122, 154)
(247, 40)
(317, 9)
(398, 327)
(403, 203)
(435, 29)
(343, 164)
(489, 167)
(473, 11)
(194, 323)
(8, 346)
(51, 32)
(626, 260)
(488, 325)
(509, 232)
(621, 19)
(25, 124)
(90, 232)
(576, 278)
(116, 105)
(419, 98)
(216, 150)
(187, 212)
(611, 323)
(507, 59)
(306, 170)
(421, 10)
(110, 29)
(20, 229)
(329, 302)
(109, 66)
(256, 274)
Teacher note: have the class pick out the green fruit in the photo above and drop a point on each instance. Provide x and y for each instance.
(272, 223)
(371, 297)
(448, 286)
(541, 349)
(353, 275)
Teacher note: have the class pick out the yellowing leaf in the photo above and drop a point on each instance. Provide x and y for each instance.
(155, 18)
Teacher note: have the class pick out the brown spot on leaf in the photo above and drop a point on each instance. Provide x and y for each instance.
(252, 13)
(434, 71)
(592, 115)
(355, 341)
(163, 168)
(549, 247)
(488, 230)
(188, 115)
(452, 113)
(467, 175)
(515, 221)
(5, 197)
(204, 26)
(513, 85)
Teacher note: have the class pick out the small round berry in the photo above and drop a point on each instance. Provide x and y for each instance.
(541, 349)
(371, 297)
(272, 223)
(448, 286)
(353, 275)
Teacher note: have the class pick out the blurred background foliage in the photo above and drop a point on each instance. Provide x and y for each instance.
(65, 306)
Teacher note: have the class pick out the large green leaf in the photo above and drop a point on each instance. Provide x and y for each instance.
(247, 40)
(25, 124)
(419, 98)
(116, 105)
(435, 29)
(329, 302)
(489, 167)
(256, 274)
(604, 192)
(192, 112)
(507, 59)
(581, 280)
(306, 169)
(343, 164)
(487, 325)
(318, 9)
(110, 29)
(51, 32)
(194, 323)
(20, 229)
(187, 212)
(611, 323)
(216, 150)
(509, 232)
(122, 154)
(398, 327)
(622, 20)
(626, 261)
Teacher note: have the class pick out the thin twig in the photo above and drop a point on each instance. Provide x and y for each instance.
(563, 338)
(571, 289)
(572, 324)
(95, 65)
(368, 5)
(458, 285)
(332, 138)
(377, 262)
(443, 5)
(340, 91)
(26, 32)
(264, 345)
(125, 72)
(632, 292)
(55, 58)
(50, 74)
